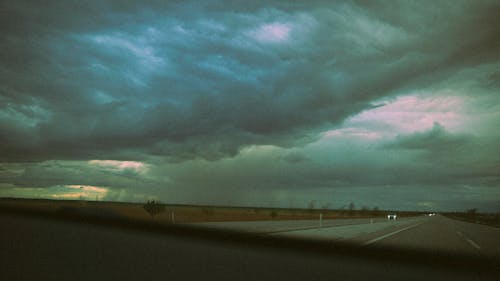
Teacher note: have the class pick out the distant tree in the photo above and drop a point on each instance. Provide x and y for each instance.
(471, 212)
(375, 210)
(351, 207)
(312, 205)
(364, 209)
(154, 207)
(326, 206)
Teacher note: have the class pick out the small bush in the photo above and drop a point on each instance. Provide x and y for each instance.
(274, 214)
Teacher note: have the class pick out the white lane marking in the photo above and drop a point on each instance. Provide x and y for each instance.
(473, 244)
(390, 234)
(314, 227)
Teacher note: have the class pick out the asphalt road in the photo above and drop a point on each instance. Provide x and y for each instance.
(436, 233)
(268, 227)
(444, 234)
(47, 249)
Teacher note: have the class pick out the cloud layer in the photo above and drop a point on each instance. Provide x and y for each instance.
(285, 96)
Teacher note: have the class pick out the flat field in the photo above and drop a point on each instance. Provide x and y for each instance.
(180, 213)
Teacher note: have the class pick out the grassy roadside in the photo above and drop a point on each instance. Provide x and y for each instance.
(486, 219)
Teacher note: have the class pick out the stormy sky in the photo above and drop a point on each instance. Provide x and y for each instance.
(394, 104)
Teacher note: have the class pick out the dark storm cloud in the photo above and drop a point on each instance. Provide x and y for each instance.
(446, 158)
(251, 101)
(435, 140)
(52, 173)
(126, 80)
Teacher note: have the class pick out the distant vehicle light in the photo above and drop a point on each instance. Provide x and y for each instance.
(392, 216)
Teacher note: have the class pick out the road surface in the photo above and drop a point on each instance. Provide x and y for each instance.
(441, 233)
(278, 226)
(34, 248)
(436, 233)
